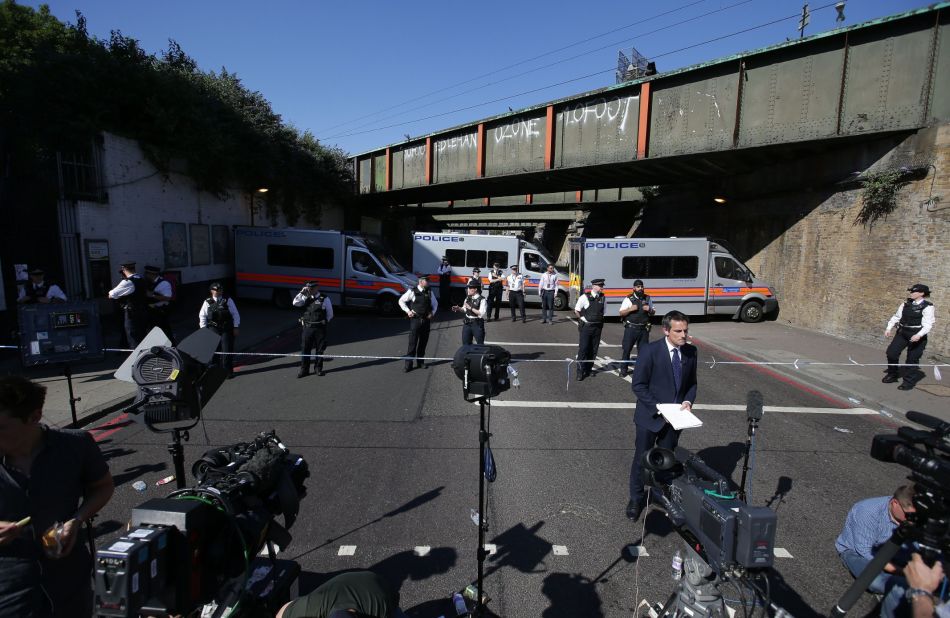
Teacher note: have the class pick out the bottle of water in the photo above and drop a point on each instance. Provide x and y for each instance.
(678, 565)
(461, 608)
(514, 377)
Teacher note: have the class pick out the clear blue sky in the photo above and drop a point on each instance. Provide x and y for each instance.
(325, 64)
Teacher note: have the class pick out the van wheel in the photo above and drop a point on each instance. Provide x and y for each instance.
(560, 301)
(283, 299)
(387, 305)
(751, 312)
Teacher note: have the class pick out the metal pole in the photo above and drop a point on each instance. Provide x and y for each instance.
(67, 371)
(482, 439)
(745, 463)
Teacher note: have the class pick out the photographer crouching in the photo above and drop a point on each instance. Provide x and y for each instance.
(45, 474)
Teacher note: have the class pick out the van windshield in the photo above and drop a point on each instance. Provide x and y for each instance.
(384, 257)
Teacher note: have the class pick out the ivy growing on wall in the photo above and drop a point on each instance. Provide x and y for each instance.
(60, 87)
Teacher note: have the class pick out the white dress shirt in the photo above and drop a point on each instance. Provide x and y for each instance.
(203, 314)
(670, 347)
(301, 299)
(444, 268)
(124, 288)
(515, 282)
(162, 288)
(926, 321)
(410, 296)
(627, 304)
(475, 313)
(54, 291)
(548, 281)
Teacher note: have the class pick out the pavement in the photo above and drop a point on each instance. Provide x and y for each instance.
(846, 371)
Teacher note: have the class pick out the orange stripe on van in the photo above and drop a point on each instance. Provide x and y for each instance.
(288, 279)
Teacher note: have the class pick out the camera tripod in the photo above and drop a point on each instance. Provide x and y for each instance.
(697, 594)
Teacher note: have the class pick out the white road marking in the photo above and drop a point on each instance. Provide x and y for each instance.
(560, 550)
(491, 548)
(781, 552)
(422, 550)
(611, 405)
(347, 550)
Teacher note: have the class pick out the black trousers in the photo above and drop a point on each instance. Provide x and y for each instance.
(587, 346)
(915, 349)
(633, 336)
(516, 299)
(227, 345)
(134, 323)
(493, 301)
(667, 437)
(418, 338)
(159, 316)
(473, 330)
(313, 340)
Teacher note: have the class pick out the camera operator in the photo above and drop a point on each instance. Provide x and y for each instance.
(923, 581)
(45, 474)
(359, 593)
(868, 526)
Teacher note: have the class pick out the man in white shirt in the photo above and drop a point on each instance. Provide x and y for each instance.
(515, 283)
(131, 294)
(420, 305)
(548, 289)
(473, 312)
(914, 319)
(38, 290)
(445, 281)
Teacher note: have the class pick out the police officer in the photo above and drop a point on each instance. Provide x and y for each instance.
(219, 313)
(475, 278)
(38, 290)
(131, 294)
(516, 292)
(473, 312)
(914, 319)
(159, 295)
(589, 310)
(420, 305)
(318, 311)
(445, 281)
(496, 283)
(635, 312)
(548, 289)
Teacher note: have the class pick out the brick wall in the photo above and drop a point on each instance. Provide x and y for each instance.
(793, 225)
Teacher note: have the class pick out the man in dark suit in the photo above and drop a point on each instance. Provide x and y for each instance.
(665, 373)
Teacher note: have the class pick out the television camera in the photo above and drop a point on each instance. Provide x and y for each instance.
(927, 455)
(198, 546)
(725, 538)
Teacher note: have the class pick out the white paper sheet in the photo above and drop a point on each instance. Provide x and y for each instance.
(679, 419)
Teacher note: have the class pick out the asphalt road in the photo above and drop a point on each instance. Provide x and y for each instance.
(394, 462)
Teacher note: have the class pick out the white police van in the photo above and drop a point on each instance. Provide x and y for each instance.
(353, 270)
(696, 276)
(466, 251)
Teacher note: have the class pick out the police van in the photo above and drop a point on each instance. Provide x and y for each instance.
(353, 270)
(696, 276)
(466, 251)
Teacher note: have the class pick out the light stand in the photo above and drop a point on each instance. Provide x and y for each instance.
(482, 553)
(68, 373)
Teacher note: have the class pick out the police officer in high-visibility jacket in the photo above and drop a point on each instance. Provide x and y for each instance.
(914, 319)
(473, 310)
(420, 305)
(589, 310)
(635, 312)
(318, 311)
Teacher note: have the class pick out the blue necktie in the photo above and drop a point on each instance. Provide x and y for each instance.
(677, 369)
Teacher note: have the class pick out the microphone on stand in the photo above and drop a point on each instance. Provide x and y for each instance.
(753, 406)
(754, 411)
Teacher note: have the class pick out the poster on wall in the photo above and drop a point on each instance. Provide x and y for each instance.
(175, 243)
(220, 243)
(200, 244)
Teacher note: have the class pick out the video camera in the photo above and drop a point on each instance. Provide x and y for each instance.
(198, 545)
(730, 534)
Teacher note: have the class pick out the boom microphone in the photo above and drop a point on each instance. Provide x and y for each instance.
(753, 406)
(930, 422)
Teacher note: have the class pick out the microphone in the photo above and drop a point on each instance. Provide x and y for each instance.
(928, 421)
(753, 406)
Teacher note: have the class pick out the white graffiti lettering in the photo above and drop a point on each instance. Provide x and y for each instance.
(455, 142)
(414, 152)
(522, 128)
(614, 110)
